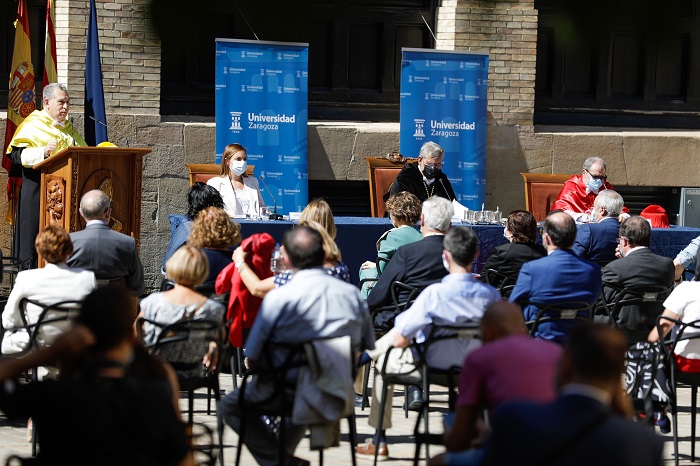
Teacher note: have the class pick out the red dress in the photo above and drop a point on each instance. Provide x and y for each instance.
(574, 197)
(243, 306)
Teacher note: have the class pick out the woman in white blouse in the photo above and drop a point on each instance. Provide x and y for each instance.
(241, 194)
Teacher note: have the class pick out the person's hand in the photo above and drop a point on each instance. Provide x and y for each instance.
(618, 253)
(623, 216)
(238, 255)
(50, 147)
(212, 357)
(368, 265)
(74, 340)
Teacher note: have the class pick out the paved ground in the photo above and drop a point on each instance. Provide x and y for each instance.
(401, 448)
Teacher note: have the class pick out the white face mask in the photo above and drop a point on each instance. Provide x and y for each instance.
(445, 262)
(238, 167)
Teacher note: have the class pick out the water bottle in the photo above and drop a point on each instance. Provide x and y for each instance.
(276, 263)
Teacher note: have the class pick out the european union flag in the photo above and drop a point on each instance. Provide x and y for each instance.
(95, 133)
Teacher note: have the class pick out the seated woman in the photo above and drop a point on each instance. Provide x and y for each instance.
(199, 198)
(317, 212)
(241, 193)
(52, 284)
(121, 400)
(214, 233)
(683, 304)
(187, 268)
(404, 211)
(507, 259)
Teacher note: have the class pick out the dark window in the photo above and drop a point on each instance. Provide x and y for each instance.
(618, 63)
(354, 49)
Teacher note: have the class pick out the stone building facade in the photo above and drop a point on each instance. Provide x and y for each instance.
(131, 58)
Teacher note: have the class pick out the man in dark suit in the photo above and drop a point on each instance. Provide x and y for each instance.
(560, 277)
(587, 424)
(597, 241)
(111, 255)
(638, 267)
(417, 264)
(424, 178)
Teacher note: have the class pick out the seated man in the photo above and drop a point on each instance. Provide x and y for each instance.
(686, 259)
(586, 425)
(424, 179)
(417, 264)
(560, 277)
(457, 299)
(509, 366)
(637, 267)
(598, 241)
(312, 305)
(110, 254)
(577, 196)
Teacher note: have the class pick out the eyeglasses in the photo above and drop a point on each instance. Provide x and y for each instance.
(597, 177)
(435, 165)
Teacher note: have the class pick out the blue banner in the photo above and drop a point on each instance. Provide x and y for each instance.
(262, 104)
(443, 100)
(95, 133)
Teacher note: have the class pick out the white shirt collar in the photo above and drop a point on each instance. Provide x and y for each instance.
(96, 222)
(636, 248)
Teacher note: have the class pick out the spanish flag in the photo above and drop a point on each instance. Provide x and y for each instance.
(50, 67)
(21, 99)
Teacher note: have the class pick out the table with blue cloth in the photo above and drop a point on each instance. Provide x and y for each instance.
(357, 238)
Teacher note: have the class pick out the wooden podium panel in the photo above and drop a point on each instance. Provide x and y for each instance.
(71, 172)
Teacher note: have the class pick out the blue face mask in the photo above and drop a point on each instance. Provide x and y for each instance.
(594, 185)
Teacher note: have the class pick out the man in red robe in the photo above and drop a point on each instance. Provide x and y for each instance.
(577, 196)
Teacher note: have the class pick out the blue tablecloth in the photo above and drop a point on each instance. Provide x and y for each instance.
(357, 238)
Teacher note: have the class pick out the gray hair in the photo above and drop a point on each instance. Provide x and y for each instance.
(94, 204)
(590, 161)
(50, 90)
(437, 213)
(611, 200)
(431, 150)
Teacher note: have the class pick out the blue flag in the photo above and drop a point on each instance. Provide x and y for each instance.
(95, 133)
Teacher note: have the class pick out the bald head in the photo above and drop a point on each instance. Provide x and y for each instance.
(94, 205)
(560, 228)
(502, 319)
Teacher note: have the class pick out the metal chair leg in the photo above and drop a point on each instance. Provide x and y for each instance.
(365, 385)
(352, 427)
(693, 396)
(380, 424)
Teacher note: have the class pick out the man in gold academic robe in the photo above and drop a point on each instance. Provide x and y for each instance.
(41, 134)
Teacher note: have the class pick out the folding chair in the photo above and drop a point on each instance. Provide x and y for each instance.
(503, 283)
(646, 301)
(564, 314)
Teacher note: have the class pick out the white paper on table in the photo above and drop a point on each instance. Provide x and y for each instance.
(460, 210)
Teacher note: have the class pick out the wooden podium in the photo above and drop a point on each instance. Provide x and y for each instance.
(73, 171)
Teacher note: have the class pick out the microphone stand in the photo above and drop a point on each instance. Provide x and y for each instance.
(274, 215)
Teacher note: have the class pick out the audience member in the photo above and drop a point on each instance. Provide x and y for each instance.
(110, 254)
(214, 234)
(560, 277)
(684, 305)
(686, 259)
(187, 269)
(314, 305)
(510, 366)
(199, 198)
(587, 424)
(240, 192)
(597, 241)
(424, 179)
(506, 259)
(638, 267)
(404, 211)
(577, 196)
(120, 400)
(52, 284)
(417, 264)
(319, 212)
(459, 298)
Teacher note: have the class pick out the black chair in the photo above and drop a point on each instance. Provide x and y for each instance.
(396, 308)
(573, 312)
(42, 330)
(647, 301)
(447, 377)
(686, 331)
(183, 344)
(502, 282)
(11, 266)
(279, 404)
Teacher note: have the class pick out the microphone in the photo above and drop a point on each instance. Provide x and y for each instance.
(274, 215)
(110, 129)
(72, 130)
